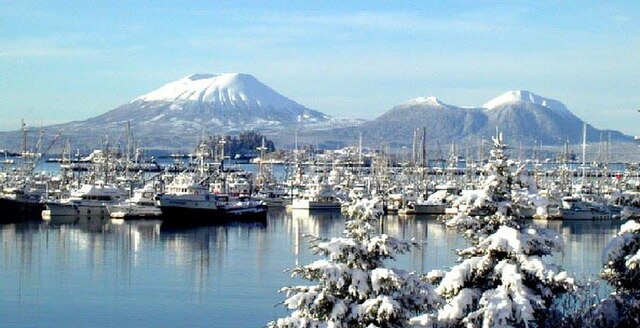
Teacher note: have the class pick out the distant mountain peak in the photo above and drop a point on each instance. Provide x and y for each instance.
(522, 116)
(431, 101)
(223, 101)
(221, 89)
(519, 96)
(201, 76)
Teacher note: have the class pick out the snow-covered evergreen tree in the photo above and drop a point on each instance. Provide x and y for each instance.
(502, 280)
(622, 259)
(481, 212)
(622, 270)
(353, 288)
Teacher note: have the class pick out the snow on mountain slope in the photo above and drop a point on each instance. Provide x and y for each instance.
(228, 89)
(517, 96)
(521, 116)
(431, 101)
(227, 101)
(179, 112)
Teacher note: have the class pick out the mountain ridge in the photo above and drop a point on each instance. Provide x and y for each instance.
(176, 114)
(521, 115)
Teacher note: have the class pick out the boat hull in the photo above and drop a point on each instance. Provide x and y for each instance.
(84, 210)
(203, 216)
(134, 212)
(584, 215)
(12, 209)
(424, 209)
(315, 206)
(275, 202)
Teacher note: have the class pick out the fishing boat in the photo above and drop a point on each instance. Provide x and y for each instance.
(23, 201)
(88, 200)
(142, 205)
(188, 201)
(574, 208)
(435, 204)
(277, 196)
(316, 196)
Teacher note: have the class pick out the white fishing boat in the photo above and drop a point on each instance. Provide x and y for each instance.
(141, 205)
(316, 196)
(89, 200)
(435, 204)
(183, 194)
(274, 197)
(394, 202)
(574, 208)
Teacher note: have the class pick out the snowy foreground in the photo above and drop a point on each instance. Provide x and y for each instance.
(502, 280)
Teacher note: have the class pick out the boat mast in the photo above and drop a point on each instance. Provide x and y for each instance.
(127, 157)
(584, 151)
(425, 162)
(24, 137)
(360, 149)
(222, 142)
(106, 161)
(414, 156)
(262, 149)
(128, 137)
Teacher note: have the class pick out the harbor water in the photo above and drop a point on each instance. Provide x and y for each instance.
(105, 273)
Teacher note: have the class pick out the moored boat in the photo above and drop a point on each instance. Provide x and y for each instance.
(317, 196)
(89, 200)
(189, 202)
(574, 208)
(141, 206)
(20, 202)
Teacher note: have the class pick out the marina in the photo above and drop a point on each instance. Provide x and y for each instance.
(119, 233)
(209, 185)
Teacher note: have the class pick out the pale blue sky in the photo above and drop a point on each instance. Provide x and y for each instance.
(69, 60)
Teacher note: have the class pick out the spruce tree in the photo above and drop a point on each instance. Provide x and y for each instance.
(502, 280)
(621, 270)
(354, 289)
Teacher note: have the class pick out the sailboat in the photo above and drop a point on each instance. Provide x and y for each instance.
(581, 205)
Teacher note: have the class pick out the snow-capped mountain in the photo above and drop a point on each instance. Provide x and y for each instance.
(176, 114)
(223, 101)
(515, 97)
(522, 116)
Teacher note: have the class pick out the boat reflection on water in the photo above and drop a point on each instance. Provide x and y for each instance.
(584, 241)
(321, 223)
(11, 219)
(175, 225)
(199, 253)
(436, 244)
(82, 222)
(300, 223)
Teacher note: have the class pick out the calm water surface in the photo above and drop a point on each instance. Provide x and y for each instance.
(93, 273)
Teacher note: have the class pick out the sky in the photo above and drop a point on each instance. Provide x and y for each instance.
(71, 60)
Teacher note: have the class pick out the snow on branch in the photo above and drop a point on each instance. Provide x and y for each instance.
(502, 280)
(353, 288)
(621, 258)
